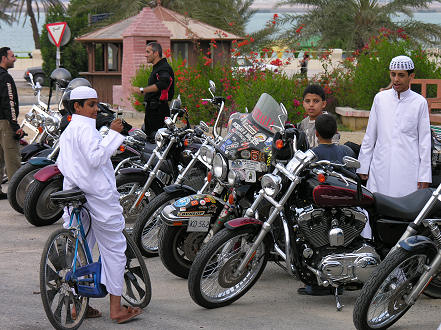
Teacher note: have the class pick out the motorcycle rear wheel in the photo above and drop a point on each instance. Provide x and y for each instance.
(38, 207)
(212, 282)
(381, 301)
(19, 184)
(145, 232)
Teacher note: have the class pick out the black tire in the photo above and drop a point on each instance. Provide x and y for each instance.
(172, 248)
(124, 183)
(38, 207)
(145, 231)
(137, 287)
(203, 271)
(19, 184)
(386, 281)
(56, 259)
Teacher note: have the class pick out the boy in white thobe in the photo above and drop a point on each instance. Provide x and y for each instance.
(395, 155)
(84, 161)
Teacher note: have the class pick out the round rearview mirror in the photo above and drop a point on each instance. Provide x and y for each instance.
(204, 126)
(212, 86)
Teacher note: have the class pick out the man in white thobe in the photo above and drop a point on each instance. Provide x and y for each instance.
(395, 155)
(84, 160)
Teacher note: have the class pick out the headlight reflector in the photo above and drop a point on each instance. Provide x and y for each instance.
(271, 184)
(220, 167)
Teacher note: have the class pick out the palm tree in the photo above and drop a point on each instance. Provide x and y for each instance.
(28, 8)
(350, 24)
(5, 15)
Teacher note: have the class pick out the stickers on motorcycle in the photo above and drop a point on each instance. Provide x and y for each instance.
(260, 137)
(182, 202)
(247, 165)
(194, 203)
(202, 202)
(255, 155)
(245, 154)
(191, 213)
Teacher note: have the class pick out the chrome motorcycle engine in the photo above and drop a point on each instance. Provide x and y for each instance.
(356, 266)
(335, 227)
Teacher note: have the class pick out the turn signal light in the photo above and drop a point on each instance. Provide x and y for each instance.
(231, 199)
(279, 144)
(321, 178)
(69, 118)
(122, 148)
(209, 176)
(40, 129)
(186, 142)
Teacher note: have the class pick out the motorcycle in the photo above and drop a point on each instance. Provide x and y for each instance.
(174, 147)
(191, 221)
(313, 230)
(409, 269)
(145, 231)
(37, 205)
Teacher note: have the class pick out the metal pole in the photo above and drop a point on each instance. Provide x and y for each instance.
(57, 59)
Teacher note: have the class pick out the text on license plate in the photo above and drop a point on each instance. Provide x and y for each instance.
(201, 224)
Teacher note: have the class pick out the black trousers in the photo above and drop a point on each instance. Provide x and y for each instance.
(154, 118)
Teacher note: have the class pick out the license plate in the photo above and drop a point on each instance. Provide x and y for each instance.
(250, 176)
(199, 224)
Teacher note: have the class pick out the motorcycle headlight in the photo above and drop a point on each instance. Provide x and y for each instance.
(271, 184)
(220, 167)
(232, 176)
(29, 116)
(207, 154)
(51, 124)
(160, 137)
(40, 119)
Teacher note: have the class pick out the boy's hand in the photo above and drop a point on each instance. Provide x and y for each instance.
(117, 125)
(363, 176)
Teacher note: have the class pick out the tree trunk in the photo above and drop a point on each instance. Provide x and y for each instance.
(31, 15)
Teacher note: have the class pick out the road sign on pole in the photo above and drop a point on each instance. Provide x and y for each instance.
(56, 31)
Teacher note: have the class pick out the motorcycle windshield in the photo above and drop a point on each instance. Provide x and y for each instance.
(251, 134)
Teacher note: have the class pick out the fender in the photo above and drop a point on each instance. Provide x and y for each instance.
(180, 187)
(31, 150)
(47, 173)
(40, 161)
(239, 223)
(132, 170)
(418, 242)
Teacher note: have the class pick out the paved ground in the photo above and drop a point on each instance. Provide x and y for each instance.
(272, 304)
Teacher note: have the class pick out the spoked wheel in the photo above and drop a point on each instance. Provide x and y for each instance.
(129, 188)
(145, 231)
(382, 300)
(59, 296)
(213, 281)
(38, 208)
(137, 287)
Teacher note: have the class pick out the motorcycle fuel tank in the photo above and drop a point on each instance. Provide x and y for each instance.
(335, 193)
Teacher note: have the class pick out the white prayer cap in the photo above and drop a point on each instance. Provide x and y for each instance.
(401, 63)
(83, 93)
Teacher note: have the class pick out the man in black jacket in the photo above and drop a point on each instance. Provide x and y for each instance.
(160, 89)
(10, 131)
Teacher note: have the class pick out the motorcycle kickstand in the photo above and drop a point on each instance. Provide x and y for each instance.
(337, 301)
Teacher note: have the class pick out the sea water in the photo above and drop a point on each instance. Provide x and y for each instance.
(18, 36)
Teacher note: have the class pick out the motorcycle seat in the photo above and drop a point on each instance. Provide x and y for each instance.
(66, 197)
(406, 207)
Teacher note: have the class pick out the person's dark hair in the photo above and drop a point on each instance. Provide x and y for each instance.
(156, 47)
(4, 52)
(315, 89)
(326, 126)
(71, 104)
(410, 71)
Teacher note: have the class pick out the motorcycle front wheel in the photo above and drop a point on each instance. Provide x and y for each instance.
(38, 208)
(145, 231)
(129, 187)
(381, 302)
(212, 281)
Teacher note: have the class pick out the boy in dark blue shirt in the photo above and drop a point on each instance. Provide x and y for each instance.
(325, 129)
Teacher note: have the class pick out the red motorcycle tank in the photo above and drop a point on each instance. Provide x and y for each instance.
(335, 192)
